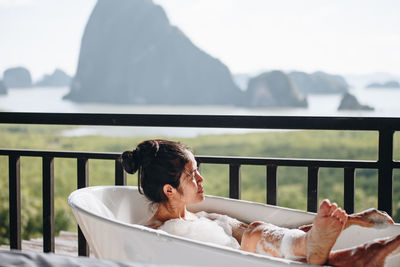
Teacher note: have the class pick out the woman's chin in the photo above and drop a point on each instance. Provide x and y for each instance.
(200, 198)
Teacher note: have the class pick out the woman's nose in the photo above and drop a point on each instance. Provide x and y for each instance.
(199, 177)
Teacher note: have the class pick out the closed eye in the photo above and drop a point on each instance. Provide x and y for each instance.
(192, 174)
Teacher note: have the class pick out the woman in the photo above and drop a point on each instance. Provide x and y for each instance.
(168, 175)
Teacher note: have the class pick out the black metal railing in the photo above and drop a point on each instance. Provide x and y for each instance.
(385, 163)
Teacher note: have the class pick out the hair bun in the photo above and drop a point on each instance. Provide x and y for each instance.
(130, 161)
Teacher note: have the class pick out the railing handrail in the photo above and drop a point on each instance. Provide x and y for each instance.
(292, 162)
(204, 121)
(59, 153)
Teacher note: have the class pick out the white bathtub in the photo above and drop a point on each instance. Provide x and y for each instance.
(110, 218)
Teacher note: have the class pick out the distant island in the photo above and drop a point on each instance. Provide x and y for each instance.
(273, 89)
(350, 102)
(319, 83)
(131, 54)
(57, 79)
(18, 77)
(3, 88)
(389, 84)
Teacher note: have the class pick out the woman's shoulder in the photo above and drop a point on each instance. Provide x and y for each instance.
(154, 223)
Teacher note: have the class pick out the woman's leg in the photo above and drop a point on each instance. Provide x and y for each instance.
(371, 254)
(369, 218)
(265, 238)
(314, 245)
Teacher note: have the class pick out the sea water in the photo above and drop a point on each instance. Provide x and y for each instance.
(40, 99)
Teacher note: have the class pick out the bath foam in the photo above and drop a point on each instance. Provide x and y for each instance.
(222, 220)
(202, 229)
(279, 240)
(288, 242)
(271, 238)
(379, 222)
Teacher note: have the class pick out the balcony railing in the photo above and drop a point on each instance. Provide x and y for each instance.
(385, 164)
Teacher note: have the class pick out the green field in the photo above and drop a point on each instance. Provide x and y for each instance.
(286, 144)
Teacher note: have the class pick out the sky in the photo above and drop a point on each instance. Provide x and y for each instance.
(335, 36)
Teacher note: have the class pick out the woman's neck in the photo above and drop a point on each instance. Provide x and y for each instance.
(167, 211)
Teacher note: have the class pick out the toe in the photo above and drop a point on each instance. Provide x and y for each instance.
(340, 215)
(343, 216)
(325, 208)
(334, 207)
(336, 213)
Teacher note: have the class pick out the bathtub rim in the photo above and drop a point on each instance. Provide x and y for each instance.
(190, 206)
(203, 244)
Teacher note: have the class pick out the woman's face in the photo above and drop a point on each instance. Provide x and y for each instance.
(191, 183)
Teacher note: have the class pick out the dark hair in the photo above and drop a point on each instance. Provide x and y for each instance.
(159, 162)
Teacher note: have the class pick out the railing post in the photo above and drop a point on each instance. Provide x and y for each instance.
(83, 181)
(272, 185)
(48, 204)
(312, 195)
(234, 181)
(120, 174)
(349, 182)
(385, 171)
(14, 201)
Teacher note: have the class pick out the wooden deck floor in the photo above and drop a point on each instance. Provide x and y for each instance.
(66, 243)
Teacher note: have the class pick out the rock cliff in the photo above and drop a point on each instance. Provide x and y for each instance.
(3, 88)
(273, 89)
(350, 102)
(389, 84)
(319, 83)
(17, 77)
(57, 79)
(130, 53)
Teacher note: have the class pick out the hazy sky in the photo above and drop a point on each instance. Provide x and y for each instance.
(337, 36)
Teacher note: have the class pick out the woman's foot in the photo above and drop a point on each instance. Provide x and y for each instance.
(327, 226)
(370, 218)
(371, 254)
